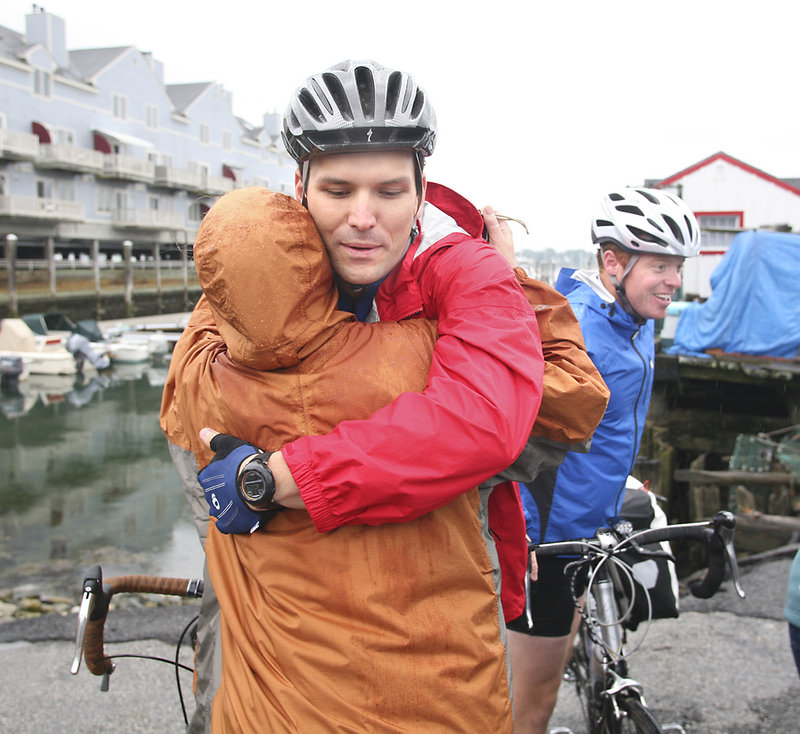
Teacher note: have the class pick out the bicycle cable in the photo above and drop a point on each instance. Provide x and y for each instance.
(176, 663)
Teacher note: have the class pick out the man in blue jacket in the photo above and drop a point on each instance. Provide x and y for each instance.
(643, 236)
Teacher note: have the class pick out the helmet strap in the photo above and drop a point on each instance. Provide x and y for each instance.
(622, 297)
(305, 169)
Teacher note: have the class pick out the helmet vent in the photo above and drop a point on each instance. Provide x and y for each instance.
(392, 94)
(645, 236)
(310, 105)
(690, 227)
(630, 209)
(676, 230)
(655, 224)
(365, 83)
(419, 103)
(647, 195)
(616, 197)
(340, 101)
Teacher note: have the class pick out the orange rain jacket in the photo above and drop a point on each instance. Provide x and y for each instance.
(389, 628)
(575, 404)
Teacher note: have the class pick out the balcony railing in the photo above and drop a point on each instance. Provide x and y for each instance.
(147, 219)
(33, 207)
(116, 165)
(216, 185)
(14, 144)
(177, 178)
(70, 158)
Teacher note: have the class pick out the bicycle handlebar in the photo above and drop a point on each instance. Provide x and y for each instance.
(717, 534)
(97, 594)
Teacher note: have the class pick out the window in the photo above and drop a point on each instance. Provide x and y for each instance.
(205, 133)
(3, 186)
(108, 199)
(151, 117)
(720, 220)
(62, 136)
(42, 83)
(120, 106)
(226, 140)
(718, 229)
(159, 159)
(44, 189)
(65, 190)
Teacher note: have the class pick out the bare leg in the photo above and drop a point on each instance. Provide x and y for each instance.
(537, 664)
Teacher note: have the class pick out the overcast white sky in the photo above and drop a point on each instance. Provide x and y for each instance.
(542, 106)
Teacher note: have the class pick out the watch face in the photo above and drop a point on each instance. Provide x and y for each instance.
(257, 485)
(254, 485)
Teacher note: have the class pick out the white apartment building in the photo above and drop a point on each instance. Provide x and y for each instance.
(95, 149)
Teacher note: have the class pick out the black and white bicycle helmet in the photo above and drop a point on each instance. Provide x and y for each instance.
(359, 106)
(647, 221)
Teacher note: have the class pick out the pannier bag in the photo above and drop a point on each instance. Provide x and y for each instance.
(656, 576)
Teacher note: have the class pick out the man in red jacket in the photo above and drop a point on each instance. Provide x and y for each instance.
(360, 134)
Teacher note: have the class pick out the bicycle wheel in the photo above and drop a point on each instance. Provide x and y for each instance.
(636, 718)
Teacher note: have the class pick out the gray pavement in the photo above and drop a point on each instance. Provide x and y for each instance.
(723, 667)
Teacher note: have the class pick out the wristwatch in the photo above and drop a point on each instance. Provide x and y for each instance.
(256, 484)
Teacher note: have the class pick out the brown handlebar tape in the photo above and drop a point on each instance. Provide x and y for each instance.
(97, 661)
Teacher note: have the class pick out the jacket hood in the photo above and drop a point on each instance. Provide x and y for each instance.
(463, 211)
(265, 272)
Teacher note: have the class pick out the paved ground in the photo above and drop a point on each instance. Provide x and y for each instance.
(723, 667)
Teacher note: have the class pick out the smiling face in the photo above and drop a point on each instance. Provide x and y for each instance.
(651, 283)
(364, 206)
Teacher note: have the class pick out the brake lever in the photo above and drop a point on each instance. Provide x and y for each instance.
(724, 525)
(726, 535)
(92, 588)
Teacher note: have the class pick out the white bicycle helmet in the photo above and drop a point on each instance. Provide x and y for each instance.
(647, 221)
(359, 106)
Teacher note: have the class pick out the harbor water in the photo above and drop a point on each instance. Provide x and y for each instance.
(86, 478)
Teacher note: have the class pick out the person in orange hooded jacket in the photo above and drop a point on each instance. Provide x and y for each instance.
(483, 380)
(387, 628)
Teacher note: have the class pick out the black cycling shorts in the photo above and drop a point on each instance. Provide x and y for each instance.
(552, 605)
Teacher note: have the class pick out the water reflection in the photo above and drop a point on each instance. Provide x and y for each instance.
(85, 478)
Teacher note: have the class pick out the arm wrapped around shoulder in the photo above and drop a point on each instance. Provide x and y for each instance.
(574, 396)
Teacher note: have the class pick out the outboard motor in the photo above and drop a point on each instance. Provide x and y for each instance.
(80, 348)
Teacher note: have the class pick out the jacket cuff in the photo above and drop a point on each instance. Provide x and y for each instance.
(310, 489)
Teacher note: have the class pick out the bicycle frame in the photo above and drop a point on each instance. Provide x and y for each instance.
(602, 637)
(613, 702)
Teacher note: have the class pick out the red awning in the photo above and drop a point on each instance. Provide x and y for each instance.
(229, 172)
(42, 132)
(101, 143)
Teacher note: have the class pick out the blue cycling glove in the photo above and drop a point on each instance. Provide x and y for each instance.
(219, 483)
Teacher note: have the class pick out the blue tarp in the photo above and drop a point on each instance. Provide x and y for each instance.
(754, 307)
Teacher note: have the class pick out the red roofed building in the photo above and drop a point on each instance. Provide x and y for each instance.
(727, 196)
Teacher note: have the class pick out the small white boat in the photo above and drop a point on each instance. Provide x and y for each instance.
(122, 350)
(43, 355)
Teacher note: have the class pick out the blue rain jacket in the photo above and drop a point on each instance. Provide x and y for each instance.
(580, 496)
